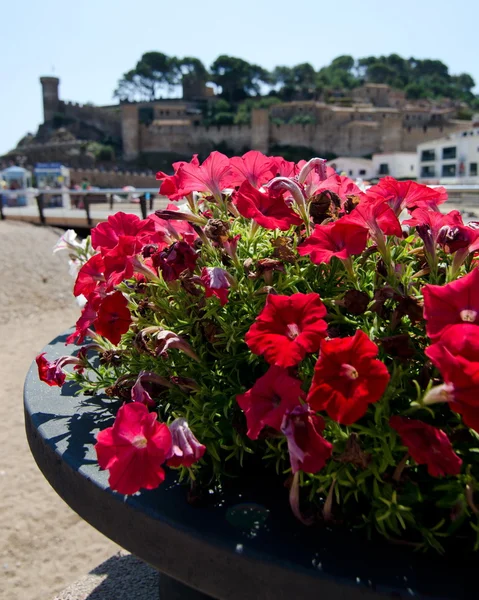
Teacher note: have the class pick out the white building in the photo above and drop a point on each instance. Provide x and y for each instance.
(400, 165)
(453, 159)
(355, 168)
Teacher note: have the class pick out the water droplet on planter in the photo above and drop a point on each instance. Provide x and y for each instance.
(249, 517)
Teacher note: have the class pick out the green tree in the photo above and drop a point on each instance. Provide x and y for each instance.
(237, 78)
(154, 73)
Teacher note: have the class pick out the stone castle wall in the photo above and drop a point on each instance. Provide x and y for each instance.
(185, 140)
(412, 137)
(106, 119)
(113, 179)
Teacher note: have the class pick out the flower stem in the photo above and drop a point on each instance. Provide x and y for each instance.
(400, 467)
(328, 505)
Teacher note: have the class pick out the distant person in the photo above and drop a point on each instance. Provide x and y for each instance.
(85, 186)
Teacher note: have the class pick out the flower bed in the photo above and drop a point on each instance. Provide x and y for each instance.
(282, 319)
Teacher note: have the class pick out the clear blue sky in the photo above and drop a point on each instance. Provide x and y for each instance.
(90, 44)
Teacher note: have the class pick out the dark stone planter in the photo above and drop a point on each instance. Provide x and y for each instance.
(243, 545)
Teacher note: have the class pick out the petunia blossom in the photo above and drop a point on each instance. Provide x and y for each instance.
(134, 449)
(68, 241)
(89, 276)
(170, 183)
(266, 403)
(430, 224)
(50, 372)
(186, 450)
(450, 304)
(347, 378)
(113, 318)
(211, 176)
(266, 208)
(338, 239)
(119, 261)
(377, 216)
(337, 184)
(253, 166)
(428, 446)
(407, 194)
(216, 282)
(107, 233)
(456, 356)
(172, 261)
(145, 382)
(308, 450)
(288, 328)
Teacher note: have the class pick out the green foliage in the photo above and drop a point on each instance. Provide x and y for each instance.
(240, 80)
(302, 120)
(101, 152)
(237, 78)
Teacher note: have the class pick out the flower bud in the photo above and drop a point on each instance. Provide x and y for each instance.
(440, 393)
(186, 449)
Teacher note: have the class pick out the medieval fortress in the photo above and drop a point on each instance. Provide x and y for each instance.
(375, 119)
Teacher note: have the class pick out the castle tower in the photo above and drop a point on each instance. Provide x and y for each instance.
(51, 99)
(260, 129)
(130, 131)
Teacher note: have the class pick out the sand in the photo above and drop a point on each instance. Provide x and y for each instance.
(44, 545)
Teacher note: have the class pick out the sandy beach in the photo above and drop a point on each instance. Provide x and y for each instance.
(44, 545)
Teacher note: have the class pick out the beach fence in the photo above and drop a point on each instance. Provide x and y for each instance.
(78, 208)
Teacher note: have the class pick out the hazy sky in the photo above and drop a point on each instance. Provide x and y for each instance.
(91, 43)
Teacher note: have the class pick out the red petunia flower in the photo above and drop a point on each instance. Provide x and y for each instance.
(172, 230)
(377, 216)
(450, 304)
(211, 176)
(50, 372)
(427, 446)
(113, 318)
(186, 449)
(170, 183)
(334, 239)
(347, 378)
(107, 234)
(429, 225)
(266, 403)
(308, 450)
(456, 356)
(87, 317)
(267, 209)
(285, 168)
(288, 328)
(174, 260)
(134, 449)
(119, 260)
(89, 276)
(407, 194)
(216, 283)
(253, 166)
(338, 184)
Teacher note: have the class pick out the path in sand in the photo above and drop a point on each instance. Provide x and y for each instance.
(44, 545)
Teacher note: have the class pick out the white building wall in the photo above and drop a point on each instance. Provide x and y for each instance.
(453, 159)
(400, 165)
(356, 168)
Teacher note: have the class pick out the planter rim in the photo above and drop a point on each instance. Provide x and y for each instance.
(247, 541)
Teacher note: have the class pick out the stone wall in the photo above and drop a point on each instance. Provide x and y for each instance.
(184, 140)
(411, 137)
(113, 179)
(106, 119)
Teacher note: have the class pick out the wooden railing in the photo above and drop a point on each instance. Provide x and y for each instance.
(36, 206)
